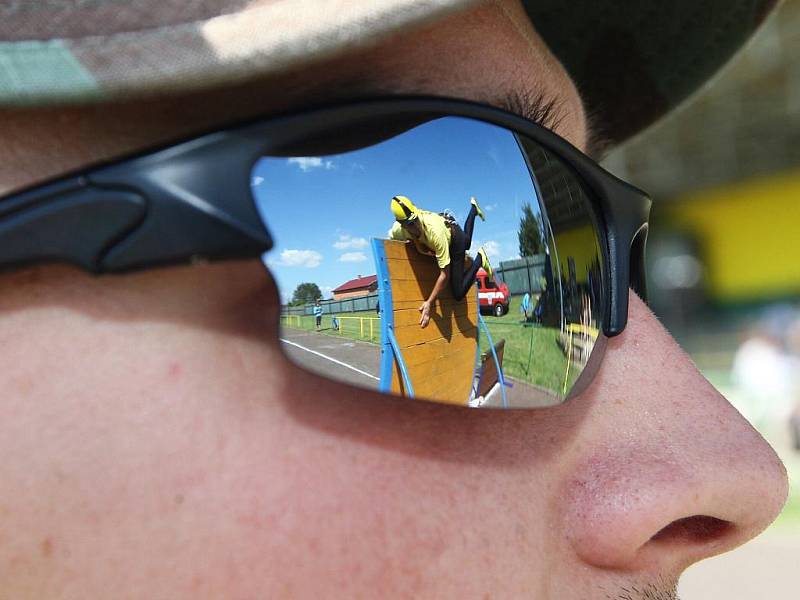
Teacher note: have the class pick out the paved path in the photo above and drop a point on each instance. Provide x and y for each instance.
(520, 395)
(358, 363)
(350, 361)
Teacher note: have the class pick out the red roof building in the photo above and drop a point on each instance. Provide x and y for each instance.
(360, 286)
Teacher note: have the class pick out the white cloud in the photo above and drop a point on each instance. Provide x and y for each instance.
(489, 207)
(257, 180)
(300, 258)
(492, 248)
(349, 242)
(353, 257)
(306, 163)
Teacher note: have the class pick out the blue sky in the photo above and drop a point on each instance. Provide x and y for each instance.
(322, 211)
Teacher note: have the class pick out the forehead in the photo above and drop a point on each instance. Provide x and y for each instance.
(489, 54)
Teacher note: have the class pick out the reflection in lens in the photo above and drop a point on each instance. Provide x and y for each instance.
(363, 237)
(571, 295)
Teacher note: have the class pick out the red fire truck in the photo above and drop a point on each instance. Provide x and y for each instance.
(493, 296)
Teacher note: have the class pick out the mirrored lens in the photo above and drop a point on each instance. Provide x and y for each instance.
(447, 259)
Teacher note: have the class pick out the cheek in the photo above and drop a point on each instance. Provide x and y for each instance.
(200, 463)
(378, 493)
(117, 443)
(648, 386)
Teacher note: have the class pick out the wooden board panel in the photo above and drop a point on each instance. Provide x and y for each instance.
(411, 335)
(440, 378)
(423, 357)
(410, 316)
(430, 351)
(442, 363)
(404, 251)
(417, 291)
(441, 357)
(449, 302)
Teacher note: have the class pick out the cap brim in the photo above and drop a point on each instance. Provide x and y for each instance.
(56, 52)
(635, 61)
(632, 61)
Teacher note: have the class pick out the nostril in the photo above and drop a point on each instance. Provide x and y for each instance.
(699, 529)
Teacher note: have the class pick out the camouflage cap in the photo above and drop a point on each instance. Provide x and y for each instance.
(58, 51)
(633, 60)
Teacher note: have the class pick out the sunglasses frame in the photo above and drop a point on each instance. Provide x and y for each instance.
(192, 200)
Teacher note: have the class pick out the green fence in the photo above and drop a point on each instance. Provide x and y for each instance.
(523, 275)
(335, 307)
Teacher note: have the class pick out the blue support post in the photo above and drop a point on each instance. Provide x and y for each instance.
(500, 378)
(401, 363)
(390, 351)
(476, 369)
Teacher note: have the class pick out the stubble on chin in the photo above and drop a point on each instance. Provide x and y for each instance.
(665, 588)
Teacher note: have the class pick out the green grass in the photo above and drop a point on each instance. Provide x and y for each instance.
(532, 353)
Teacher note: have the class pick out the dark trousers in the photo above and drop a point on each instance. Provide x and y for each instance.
(460, 241)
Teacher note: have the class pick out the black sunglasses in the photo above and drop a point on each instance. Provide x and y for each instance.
(204, 198)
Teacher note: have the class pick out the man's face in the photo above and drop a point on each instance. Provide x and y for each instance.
(411, 227)
(158, 444)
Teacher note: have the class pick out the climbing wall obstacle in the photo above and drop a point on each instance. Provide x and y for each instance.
(437, 362)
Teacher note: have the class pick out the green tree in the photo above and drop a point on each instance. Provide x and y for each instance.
(306, 293)
(531, 240)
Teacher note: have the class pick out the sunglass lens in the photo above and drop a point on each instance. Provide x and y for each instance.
(492, 299)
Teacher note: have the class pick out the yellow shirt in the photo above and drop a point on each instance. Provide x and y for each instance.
(434, 240)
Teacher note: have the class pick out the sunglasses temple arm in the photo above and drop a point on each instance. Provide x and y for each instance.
(68, 221)
(118, 224)
(638, 278)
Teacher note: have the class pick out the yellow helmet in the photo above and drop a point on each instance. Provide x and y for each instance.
(403, 209)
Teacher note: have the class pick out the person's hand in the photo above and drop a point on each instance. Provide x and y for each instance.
(425, 317)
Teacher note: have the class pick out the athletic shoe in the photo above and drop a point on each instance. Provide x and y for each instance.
(485, 263)
(474, 203)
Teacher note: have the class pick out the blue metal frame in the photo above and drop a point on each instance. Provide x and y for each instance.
(401, 363)
(500, 378)
(389, 348)
(476, 369)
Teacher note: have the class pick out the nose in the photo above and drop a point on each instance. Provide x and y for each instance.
(668, 472)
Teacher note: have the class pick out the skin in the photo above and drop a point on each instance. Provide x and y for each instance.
(427, 306)
(156, 442)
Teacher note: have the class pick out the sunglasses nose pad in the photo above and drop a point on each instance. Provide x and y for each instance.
(637, 276)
